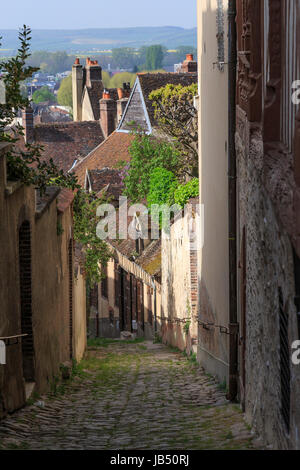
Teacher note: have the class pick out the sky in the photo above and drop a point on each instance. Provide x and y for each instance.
(79, 14)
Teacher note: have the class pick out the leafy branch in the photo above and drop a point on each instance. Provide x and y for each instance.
(24, 165)
(96, 251)
(177, 117)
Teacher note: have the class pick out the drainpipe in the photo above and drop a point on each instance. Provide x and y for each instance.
(155, 311)
(232, 213)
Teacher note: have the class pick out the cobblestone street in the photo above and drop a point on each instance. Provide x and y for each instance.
(130, 396)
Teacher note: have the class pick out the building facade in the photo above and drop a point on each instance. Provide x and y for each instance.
(249, 265)
(268, 215)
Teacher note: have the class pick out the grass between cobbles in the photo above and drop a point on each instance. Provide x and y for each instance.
(105, 342)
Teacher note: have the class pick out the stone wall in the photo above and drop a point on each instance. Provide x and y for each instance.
(179, 326)
(36, 285)
(269, 275)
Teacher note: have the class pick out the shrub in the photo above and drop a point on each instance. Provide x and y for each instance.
(186, 191)
(147, 154)
(161, 181)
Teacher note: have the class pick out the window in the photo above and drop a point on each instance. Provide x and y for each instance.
(290, 73)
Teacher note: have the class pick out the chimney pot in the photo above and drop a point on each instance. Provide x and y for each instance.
(120, 93)
(77, 62)
(106, 95)
(189, 65)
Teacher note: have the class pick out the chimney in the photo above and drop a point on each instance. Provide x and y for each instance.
(77, 89)
(121, 103)
(123, 95)
(189, 65)
(27, 123)
(93, 72)
(108, 113)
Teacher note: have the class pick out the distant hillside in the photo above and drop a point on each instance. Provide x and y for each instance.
(102, 39)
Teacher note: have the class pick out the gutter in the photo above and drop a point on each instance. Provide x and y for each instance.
(232, 202)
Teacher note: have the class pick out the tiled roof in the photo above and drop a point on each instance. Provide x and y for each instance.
(106, 181)
(67, 142)
(153, 81)
(150, 259)
(100, 178)
(113, 150)
(64, 199)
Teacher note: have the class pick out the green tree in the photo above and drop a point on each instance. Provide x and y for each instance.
(96, 252)
(64, 94)
(154, 57)
(147, 153)
(125, 57)
(177, 117)
(25, 165)
(106, 79)
(43, 94)
(51, 62)
(161, 182)
(184, 192)
(120, 78)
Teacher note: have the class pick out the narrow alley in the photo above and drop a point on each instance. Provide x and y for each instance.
(130, 395)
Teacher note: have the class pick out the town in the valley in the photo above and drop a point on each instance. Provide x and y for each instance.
(150, 229)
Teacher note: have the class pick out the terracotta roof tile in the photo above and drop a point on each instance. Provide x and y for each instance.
(65, 199)
(113, 150)
(67, 142)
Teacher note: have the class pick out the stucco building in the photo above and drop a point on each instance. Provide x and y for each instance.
(213, 258)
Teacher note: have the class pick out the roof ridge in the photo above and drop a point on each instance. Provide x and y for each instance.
(66, 124)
